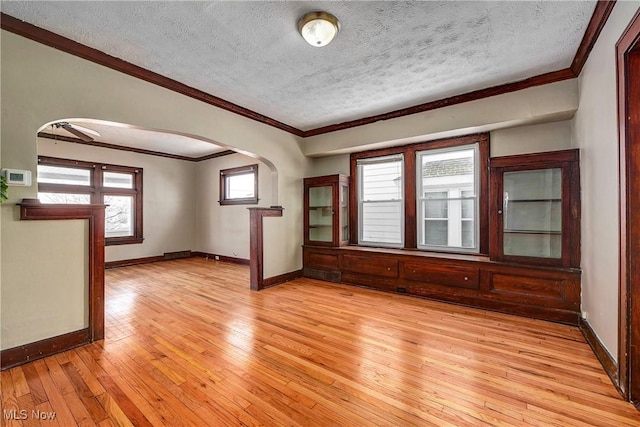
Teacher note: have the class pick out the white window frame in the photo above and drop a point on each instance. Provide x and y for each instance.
(361, 202)
(420, 197)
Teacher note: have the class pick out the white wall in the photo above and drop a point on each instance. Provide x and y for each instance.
(531, 139)
(224, 230)
(40, 85)
(595, 132)
(169, 197)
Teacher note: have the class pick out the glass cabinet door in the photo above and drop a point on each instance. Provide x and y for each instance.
(532, 213)
(321, 214)
(344, 207)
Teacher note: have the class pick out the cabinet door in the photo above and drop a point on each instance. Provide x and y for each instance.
(532, 213)
(535, 214)
(344, 214)
(321, 213)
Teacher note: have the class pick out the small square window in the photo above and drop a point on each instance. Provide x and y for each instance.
(239, 186)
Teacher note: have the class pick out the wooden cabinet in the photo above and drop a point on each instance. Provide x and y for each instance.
(535, 202)
(548, 293)
(326, 210)
(534, 244)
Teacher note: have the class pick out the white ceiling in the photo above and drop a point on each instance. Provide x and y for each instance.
(388, 55)
(142, 139)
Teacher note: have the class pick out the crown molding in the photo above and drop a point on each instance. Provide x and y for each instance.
(596, 24)
(133, 149)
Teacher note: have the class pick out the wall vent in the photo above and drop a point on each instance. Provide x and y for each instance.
(177, 255)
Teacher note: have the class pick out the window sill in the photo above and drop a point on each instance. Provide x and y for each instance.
(113, 241)
(239, 202)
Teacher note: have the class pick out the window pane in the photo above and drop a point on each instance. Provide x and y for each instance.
(449, 169)
(62, 175)
(382, 181)
(382, 222)
(436, 232)
(436, 208)
(118, 216)
(447, 198)
(117, 180)
(468, 234)
(381, 205)
(241, 186)
(65, 198)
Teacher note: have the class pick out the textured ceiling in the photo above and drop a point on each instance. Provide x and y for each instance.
(388, 55)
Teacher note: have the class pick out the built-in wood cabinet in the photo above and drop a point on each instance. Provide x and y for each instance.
(534, 245)
(548, 293)
(326, 219)
(535, 214)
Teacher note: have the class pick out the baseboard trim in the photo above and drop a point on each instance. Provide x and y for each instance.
(222, 258)
(282, 278)
(133, 261)
(22, 354)
(606, 360)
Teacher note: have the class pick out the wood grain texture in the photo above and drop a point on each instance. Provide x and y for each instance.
(256, 246)
(628, 77)
(546, 293)
(188, 344)
(43, 348)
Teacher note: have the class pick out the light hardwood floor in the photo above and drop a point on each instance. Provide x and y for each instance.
(187, 343)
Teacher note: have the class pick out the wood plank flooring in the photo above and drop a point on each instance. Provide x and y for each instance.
(188, 344)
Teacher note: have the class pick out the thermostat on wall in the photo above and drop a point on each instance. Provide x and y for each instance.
(17, 176)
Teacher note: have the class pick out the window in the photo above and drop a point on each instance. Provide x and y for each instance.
(447, 198)
(239, 186)
(380, 205)
(430, 196)
(76, 182)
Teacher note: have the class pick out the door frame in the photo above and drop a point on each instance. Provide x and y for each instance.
(628, 64)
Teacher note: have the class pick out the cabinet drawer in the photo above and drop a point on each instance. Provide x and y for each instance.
(325, 261)
(371, 266)
(461, 277)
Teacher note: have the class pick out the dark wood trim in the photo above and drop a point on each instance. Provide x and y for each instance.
(569, 162)
(608, 362)
(410, 208)
(133, 149)
(336, 182)
(280, 279)
(214, 155)
(37, 350)
(596, 24)
(32, 209)
(98, 191)
(222, 258)
(48, 38)
(256, 243)
(540, 80)
(133, 261)
(627, 55)
(240, 170)
(547, 293)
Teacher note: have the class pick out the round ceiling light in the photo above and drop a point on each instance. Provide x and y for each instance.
(318, 28)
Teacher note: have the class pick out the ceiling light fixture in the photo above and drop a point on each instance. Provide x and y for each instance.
(318, 28)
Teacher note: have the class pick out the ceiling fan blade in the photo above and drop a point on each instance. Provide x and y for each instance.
(83, 136)
(93, 133)
(79, 131)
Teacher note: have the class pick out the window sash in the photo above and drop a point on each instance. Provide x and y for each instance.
(227, 189)
(458, 190)
(96, 192)
(373, 228)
